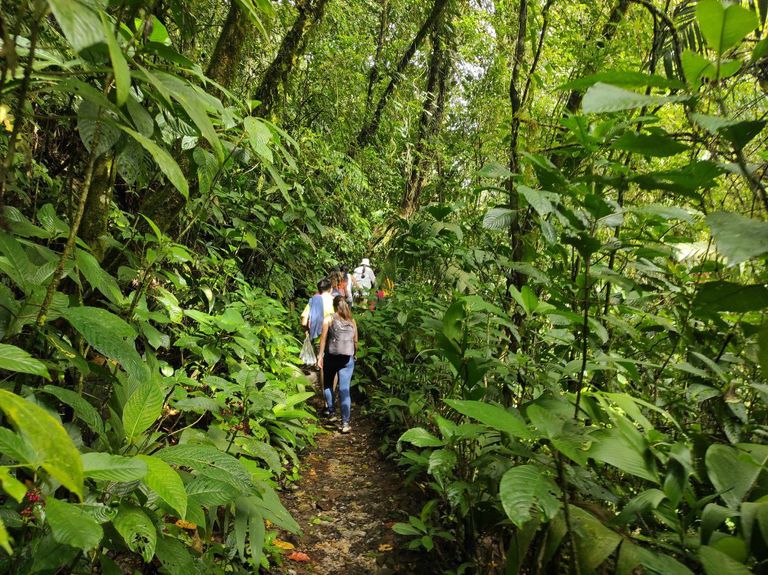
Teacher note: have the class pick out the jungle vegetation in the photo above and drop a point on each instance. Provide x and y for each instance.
(569, 197)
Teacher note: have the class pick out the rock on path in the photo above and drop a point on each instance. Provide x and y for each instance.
(346, 503)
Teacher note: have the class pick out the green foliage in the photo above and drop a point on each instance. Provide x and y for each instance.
(572, 363)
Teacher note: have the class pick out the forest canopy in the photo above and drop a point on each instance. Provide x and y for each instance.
(567, 201)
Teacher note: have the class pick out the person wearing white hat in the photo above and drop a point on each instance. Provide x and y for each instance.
(365, 277)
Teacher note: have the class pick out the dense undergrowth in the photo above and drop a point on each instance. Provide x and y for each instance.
(572, 363)
(152, 400)
(604, 410)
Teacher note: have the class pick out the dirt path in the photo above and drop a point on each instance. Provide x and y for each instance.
(346, 503)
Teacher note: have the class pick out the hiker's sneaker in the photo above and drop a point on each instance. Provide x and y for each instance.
(346, 428)
(330, 417)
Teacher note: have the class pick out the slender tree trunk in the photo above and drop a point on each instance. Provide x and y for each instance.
(291, 48)
(371, 126)
(227, 57)
(517, 226)
(96, 215)
(429, 120)
(373, 74)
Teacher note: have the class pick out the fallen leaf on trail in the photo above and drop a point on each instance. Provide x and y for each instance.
(385, 547)
(299, 556)
(185, 524)
(283, 544)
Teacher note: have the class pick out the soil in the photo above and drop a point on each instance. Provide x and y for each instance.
(346, 503)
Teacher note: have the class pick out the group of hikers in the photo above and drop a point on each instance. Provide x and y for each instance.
(327, 320)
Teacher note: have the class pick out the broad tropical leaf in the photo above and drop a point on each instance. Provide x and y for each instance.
(420, 437)
(493, 416)
(71, 525)
(209, 462)
(108, 467)
(724, 25)
(527, 487)
(602, 98)
(738, 237)
(137, 529)
(109, 335)
(166, 482)
(47, 438)
(13, 358)
(142, 409)
(83, 410)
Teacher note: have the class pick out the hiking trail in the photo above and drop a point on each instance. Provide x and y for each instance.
(346, 502)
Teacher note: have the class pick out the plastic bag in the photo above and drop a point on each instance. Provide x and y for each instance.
(307, 354)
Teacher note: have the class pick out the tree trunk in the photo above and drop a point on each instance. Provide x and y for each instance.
(429, 121)
(96, 216)
(227, 57)
(292, 46)
(370, 127)
(373, 74)
(517, 226)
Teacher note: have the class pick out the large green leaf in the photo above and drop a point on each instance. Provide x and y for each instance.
(540, 200)
(164, 161)
(499, 218)
(696, 67)
(724, 25)
(5, 539)
(420, 437)
(98, 277)
(733, 297)
(194, 104)
(526, 487)
(738, 132)
(614, 448)
(110, 335)
(656, 145)
(738, 237)
(268, 506)
(83, 410)
(13, 445)
(108, 467)
(47, 438)
(11, 485)
(733, 471)
(594, 541)
(79, 21)
(209, 462)
(95, 124)
(166, 482)
(628, 79)
(260, 136)
(206, 492)
(15, 262)
(175, 558)
(142, 409)
(632, 557)
(71, 525)
(602, 98)
(137, 529)
(493, 416)
(119, 66)
(718, 563)
(13, 358)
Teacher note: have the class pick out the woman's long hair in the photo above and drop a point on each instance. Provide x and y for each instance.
(341, 307)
